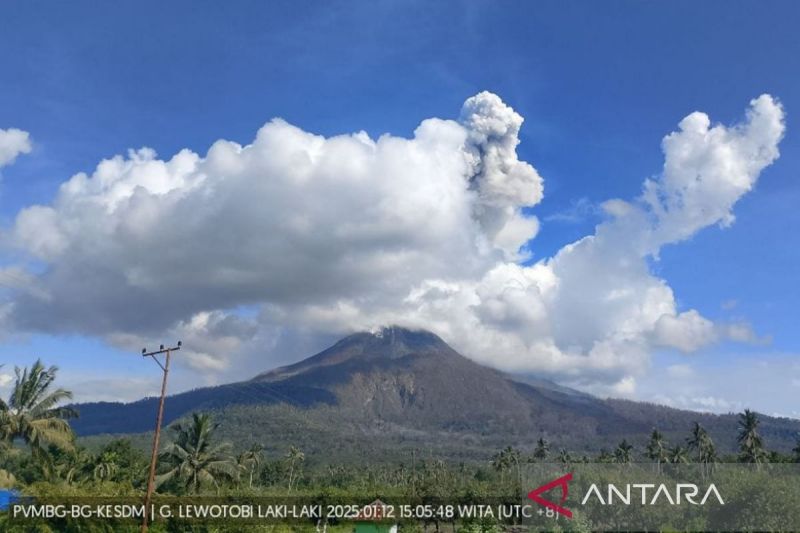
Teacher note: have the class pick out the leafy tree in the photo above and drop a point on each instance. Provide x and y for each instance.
(751, 446)
(656, 449)
(623, 453)
(193, 459)
(33, 414)
(542, 449)
(273, 472)
(293, 457)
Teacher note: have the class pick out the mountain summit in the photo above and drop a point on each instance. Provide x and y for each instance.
(366, 348)
(397, 375)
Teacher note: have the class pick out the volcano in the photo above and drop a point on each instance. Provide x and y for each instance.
(398, 383)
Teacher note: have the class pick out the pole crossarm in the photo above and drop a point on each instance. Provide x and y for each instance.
(160, 351)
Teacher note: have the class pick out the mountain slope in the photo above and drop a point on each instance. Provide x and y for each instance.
(399, 384)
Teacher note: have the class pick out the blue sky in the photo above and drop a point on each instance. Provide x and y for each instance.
(599, 85)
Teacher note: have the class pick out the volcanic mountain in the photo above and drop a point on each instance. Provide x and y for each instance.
(398, 385)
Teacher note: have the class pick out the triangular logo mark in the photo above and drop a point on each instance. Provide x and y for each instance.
(562, 482)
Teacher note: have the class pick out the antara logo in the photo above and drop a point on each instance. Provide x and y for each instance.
(562, 482)
(681, 492)
(688, 492)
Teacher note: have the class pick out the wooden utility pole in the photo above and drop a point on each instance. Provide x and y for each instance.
(151, 479)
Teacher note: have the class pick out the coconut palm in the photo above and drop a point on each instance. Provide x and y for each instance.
(73, 467)
(7, 479)
(564, 457)
(511, 457)
(250, 459)
(605, 456)
(707, 454)
(697, 436)
(656, 449)
(623, 452)
(678, 455)
(542, 449)
(751, 446)
(294, 456)
(701, 441)
(193, 459)
(501, 462)
(33, 414)
(106, 466)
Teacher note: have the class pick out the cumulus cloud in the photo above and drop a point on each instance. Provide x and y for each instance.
(317, 237)
(686, 331)
(13, 142)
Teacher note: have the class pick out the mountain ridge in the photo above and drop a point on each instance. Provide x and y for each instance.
(397, 381)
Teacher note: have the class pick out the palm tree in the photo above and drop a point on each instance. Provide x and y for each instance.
(501, 462)
(656, 449)
(542, 449)
(7, 479)
(678, 455)
(505, 459)
(72, 466)
(33, 413)
(751, 446)
(193, 459)
(564, 457)
(697, 436)
(512, 458)
(294, 456)
(106, 466)
(623, 452)
(701, 441)
(707, 454)
(605, 456)
(250, 460)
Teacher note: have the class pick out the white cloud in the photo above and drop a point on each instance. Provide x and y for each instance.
(5, 379)
(328, 235)
(680, 371)
(626, 387)
(730, 384)
(13, 142)
(686, 331)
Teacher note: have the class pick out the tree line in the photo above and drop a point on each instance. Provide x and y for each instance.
(196, 460)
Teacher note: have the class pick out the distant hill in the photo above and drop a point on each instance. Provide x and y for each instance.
(379, 393)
